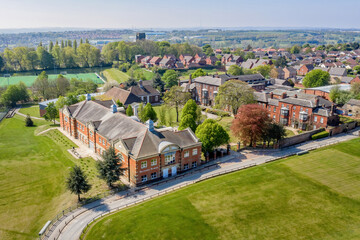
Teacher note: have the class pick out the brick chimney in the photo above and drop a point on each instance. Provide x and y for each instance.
(283, 95)
(271, 95)
(295, 96)
(317, 101)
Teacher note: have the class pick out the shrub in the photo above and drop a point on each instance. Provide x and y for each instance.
(28, 121)
(319, 135)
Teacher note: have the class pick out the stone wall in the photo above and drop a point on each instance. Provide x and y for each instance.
(342, 128)
(286, 142)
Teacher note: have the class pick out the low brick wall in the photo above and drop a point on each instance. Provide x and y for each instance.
(286, 142)
(342, 128)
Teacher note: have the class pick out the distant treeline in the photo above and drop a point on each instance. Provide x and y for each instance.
(71, 54)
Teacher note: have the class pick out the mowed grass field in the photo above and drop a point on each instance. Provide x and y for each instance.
(32, 110)
(29, 80)
(314, 196)
(115, 75)
(33, 170)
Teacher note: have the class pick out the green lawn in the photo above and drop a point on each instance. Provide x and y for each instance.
(32, 110)
(312, 196)
(185, 75)
(148, 74)
(289, 133)
(33, 170)
(169, 111)
(29, 80)
(226, 122)
(116, 75)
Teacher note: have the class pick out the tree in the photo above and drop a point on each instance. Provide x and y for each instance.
(129, 111)
(13, 94)
(120, 104)
(263, 70)
(110, 84)
(162, 115)
(176, 97)
(71, 99)
(211, 135)
(334, 93)
(234, 94)
(130, 82)
(110, 167)
(250, 123)
(158, 83)
(41, 85)
(170, 117)
(190, 116)
(51, 112)
(235, 70)
(77, 182)
(274, 132)
(170, 78)
(357, 69)
(198, 73)
(281, 62)
(28, 121)
(316, 78)
(148, 113)
(249, 55)
(207, 49)
(355, 89)
(61, 102)
(62, 85)
(295, 49)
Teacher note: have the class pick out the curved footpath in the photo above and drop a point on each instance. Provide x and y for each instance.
(71, 225)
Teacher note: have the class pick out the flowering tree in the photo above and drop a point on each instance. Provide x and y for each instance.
(250, 123)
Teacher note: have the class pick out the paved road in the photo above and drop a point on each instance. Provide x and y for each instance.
(72, 225)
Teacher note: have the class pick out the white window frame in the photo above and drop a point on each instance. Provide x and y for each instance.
(194, 151)
(170, 158)
(186, 154)
(153, 162)
(144, 164)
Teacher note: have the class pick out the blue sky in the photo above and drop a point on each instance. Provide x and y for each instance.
(178, 14)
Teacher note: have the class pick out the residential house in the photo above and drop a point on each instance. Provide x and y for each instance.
(289, 72)
(305, 69)
(146, 93)
(155, 61)
(352, 107)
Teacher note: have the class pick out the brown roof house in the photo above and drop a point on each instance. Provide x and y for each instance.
(146, 93)
(147, 154)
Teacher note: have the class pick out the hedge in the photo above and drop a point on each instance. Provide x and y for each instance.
(320, 135)
(216, 112)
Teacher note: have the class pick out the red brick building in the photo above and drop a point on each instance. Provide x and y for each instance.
(304, 69)
(299, 110)
(146, 153)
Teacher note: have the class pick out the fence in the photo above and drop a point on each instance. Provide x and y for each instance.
(3, 114)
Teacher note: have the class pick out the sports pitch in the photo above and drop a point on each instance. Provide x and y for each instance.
(29, 80)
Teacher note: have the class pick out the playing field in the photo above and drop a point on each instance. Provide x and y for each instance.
(29, 80)
(32, 110)
(115, 75)
(33, 170)
(314, 196)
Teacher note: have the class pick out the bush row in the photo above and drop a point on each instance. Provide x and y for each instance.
(320, 135)
(216, 112)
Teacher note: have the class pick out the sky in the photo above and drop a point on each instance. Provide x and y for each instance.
(178, 14)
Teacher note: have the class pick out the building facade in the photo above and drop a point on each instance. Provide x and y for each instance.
(147, 154)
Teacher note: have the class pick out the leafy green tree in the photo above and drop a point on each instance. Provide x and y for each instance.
(198, 73)
(82, 98)
(119, 103)
(71, 99)
(110, 168)
(162, 115)
(281, 62)
(77, 182)
(130, 82)
(129, 111)
(212, 135)
(295, 49)
(274, 132)
(170, 117)
(218, 64)
(334, 93)
(148, 113)
(190, 116)
(176, 97)
(41, 85)
(61, 102)
(158, 83)
(357, 69)
(51, 112)
(234, 94)
(235, 70)
(46, 60)
(28, 121)
(207, 49)
(170, 78)
(316, 78)
(13, 94)
(249, 55)
(263, 70)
